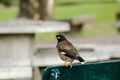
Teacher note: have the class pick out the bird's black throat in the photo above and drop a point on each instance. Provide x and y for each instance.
(60, 40)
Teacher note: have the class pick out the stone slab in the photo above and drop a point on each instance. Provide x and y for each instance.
(28, 26)
(15, 72)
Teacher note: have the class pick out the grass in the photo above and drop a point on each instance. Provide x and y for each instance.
(45, 36)
(83, 1)
(104, 12)
(8, 13)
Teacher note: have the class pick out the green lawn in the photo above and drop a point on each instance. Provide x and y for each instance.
(83, 1)
(7, 13)
(104, 12)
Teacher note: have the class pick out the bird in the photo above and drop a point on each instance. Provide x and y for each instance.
(67, 52)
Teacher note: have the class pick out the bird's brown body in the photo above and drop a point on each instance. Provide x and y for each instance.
(67, 51)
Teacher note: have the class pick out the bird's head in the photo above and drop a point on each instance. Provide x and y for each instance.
(60, 38)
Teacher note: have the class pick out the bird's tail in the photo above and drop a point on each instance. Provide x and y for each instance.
(81, 60)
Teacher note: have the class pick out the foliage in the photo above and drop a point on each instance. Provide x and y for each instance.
(6, 2)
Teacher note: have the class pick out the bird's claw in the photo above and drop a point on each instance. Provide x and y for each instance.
(68, 64)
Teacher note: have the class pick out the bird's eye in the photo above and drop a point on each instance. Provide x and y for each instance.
(58, 37)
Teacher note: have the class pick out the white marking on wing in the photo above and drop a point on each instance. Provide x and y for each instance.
(62, 52)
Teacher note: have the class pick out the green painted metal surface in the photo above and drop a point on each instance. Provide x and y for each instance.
(88, 71)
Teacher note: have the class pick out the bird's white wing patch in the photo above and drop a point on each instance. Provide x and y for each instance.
(62, 52)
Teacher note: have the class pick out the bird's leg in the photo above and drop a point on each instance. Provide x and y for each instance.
(70, 63)
(65, 63)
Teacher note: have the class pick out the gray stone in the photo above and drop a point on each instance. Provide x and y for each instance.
(15, 72)
(33, 27)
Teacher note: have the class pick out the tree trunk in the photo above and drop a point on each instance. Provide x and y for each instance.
(37, 9)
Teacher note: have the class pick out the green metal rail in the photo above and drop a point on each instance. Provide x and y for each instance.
(88, 71)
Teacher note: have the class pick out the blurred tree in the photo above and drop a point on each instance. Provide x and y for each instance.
(6, 2)
(37, 9)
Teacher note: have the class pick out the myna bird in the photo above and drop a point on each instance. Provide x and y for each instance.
(67, 51)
